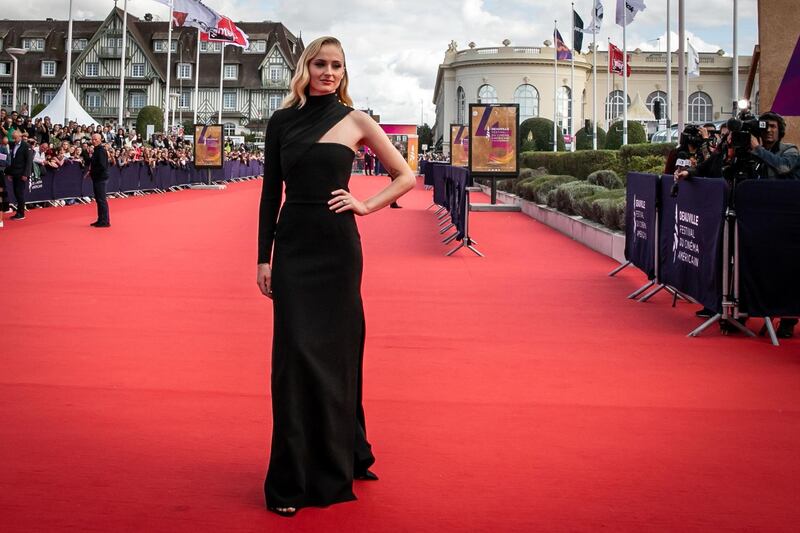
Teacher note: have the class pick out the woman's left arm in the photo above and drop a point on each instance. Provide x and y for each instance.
(403, 179)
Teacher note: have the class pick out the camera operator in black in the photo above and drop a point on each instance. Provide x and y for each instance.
(770, 144)
(696, 142)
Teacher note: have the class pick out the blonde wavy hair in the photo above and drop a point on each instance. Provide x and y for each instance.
(302, 77)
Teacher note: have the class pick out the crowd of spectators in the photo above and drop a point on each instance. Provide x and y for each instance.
(54, 144)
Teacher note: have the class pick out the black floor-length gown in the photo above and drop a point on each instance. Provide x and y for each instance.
(319, 436)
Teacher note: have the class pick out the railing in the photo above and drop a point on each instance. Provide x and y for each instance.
(105, 111)
(112, 52)
(500, 50)
(282, 83)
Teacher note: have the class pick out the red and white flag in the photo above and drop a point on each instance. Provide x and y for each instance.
(212, 25)
(227, 32)
(616, 60)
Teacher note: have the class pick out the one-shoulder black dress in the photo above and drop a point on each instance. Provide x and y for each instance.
(319, 435)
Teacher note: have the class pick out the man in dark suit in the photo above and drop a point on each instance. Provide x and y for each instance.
(20, 169)
(99, 174)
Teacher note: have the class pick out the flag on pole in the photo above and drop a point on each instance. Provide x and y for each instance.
(214, 27)
(597, 18)
(693, 68)
(627, 10)
(563, 53)
(616, 60)
(577, 29)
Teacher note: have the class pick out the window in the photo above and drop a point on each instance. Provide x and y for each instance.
(275, 73)
(757, 104)
(137, 99)
(92, 99)
(461, 114)
(228, 129)
(257, 47)
(614, 105)
(231, 72)
(276, 58)
(1, 44)
(274, 102)
(137, 70)
(47, 96)
(48, 69)
(564, 116)
(701, 108)
(5, 68)
(6, 100)
(160, 45)
(527, 96)
(229, 100)
(657, 103)
(185, 99)
(34, 45)
(92, 70)
(184, 71)
(208, 47)
(78, 44)
(487, 94)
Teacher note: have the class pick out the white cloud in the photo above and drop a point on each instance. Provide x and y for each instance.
(394, 46)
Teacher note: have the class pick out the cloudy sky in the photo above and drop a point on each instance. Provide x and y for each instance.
(394, 46)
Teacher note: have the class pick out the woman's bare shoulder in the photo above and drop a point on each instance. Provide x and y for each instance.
(363, 120)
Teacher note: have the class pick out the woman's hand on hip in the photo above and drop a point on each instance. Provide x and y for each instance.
(344, 201)
(264, 279)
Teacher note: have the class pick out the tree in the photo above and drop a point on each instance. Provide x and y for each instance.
(584, 138)
(38, 108)
(188, 127)
(636, 135)
(149, 115)
(425, 135)
(537, 134)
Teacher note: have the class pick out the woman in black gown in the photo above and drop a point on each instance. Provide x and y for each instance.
(309, 264)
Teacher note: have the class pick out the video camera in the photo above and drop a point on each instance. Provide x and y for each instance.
(691, 136)
(740, 163)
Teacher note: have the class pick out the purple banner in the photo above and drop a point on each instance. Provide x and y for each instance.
(787, 102)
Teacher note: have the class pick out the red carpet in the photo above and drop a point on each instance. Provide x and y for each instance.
(519, 392)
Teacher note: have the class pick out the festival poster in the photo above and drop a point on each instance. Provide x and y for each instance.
(208, 150)
(494, 139)
(459, 145)
(405, 137)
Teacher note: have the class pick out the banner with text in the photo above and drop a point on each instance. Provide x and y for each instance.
(459, 145)
(691, 226)
(640, 222)
(494, 139)
(768, 215)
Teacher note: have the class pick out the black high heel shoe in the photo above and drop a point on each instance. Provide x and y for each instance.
(366, 475)
(286, 512)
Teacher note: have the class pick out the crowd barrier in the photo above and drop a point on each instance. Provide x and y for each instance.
(67, 182)
(451, 188)
(736, 258)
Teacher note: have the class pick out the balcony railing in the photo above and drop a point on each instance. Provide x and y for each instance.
(105, 111)
(281, 83)
(499, 51)
(112, 52)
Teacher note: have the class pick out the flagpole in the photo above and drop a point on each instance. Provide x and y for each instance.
(197, 78)
(571, 107)
(625, 78)
(169, 64)
(669, 65)
(594, 80)
(735, 55)
(120, 114)
(69, 68)
(221, 75)
(555, 86)
(608, 87)
(681, 65)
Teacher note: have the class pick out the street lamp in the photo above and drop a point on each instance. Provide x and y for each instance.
(14, 52)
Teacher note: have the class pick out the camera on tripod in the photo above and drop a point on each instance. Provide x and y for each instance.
(740, 163)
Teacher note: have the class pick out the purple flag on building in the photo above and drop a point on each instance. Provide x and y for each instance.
(787, 102)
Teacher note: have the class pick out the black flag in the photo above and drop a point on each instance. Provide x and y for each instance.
(577, 31)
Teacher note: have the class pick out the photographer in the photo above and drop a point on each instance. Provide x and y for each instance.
(776, 156)
(696, 145)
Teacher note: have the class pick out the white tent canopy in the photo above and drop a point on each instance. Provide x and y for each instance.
(55, 109)
(639, 112)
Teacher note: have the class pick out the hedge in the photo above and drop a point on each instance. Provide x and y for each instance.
(606, 178)
(583, 139)
(538, 189)
(149, 114)
(578, 164)
(636, 134)
(540, 131)
(595, 207)
(565, 196)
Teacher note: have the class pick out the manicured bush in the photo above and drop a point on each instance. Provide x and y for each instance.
(578, 164)
(538, 189)
(583, 139)
(526, 175)
(539, 131)
(606, 178)
(38, 108)
(149, 114)
(636, 135)
(651, 164)
(567, 195)
(590, 207)
(612, 212)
